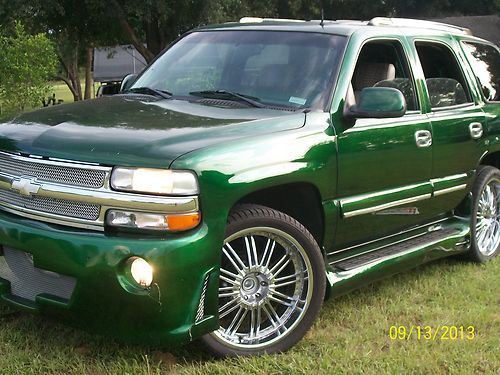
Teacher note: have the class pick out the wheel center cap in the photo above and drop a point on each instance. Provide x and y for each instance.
(254, 289)
(249, 283)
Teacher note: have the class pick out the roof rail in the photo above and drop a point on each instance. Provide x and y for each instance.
(407, 22)
(260, 20)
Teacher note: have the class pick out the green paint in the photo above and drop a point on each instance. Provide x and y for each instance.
(353, 165)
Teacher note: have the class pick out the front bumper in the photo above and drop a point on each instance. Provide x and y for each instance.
(169, 312)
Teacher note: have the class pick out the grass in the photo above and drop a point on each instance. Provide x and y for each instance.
(62, 91)
(351, 335)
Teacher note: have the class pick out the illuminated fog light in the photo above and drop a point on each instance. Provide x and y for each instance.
(142, 272)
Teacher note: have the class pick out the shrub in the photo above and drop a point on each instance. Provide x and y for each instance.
(26, 63)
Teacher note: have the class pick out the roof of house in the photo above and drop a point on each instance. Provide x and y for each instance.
(486, 27)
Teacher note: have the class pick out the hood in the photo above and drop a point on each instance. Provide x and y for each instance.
(135, 130)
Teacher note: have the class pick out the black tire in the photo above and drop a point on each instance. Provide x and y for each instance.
(249, 223)
(485, 176)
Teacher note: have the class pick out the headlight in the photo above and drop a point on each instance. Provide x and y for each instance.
(154, 181)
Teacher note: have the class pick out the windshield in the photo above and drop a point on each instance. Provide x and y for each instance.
(291, 69)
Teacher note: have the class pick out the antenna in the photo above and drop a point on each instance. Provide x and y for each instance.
(322, 17)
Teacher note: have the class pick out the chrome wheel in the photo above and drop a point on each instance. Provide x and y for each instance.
(266, 284)
(488, 218)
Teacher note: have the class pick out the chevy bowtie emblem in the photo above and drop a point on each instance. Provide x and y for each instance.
(25, 186)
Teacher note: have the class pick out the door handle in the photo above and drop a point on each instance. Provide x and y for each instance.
(476, 130)
(423, 138)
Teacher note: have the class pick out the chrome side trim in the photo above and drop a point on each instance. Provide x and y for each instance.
(454, 177)
(384, 206)
(377, 248)
(449, 190)
(387, 237)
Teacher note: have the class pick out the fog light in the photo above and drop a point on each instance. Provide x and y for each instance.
(142, 272)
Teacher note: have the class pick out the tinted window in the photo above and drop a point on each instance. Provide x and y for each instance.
(445, 82)
(279, 68)
(384, 64)
(485, 61)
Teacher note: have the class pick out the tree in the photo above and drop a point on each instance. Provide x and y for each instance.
(150, 25)
(26, 63)
(75, 26)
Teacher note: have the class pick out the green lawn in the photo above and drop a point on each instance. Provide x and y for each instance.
(62, 91)
(351, 335)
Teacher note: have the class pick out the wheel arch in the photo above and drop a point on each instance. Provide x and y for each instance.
(300, 200)
(491, 158)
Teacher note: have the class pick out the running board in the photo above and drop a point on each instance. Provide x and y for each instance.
(449, 238)
(393, 250)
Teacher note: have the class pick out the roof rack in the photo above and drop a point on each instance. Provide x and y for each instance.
(407, 22)
(260, 20)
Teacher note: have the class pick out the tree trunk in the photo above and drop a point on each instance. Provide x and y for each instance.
(88, 73)
(72, 78)
(130, 33)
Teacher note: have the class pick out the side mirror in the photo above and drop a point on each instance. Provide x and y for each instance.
(378, 102)
(127, 82)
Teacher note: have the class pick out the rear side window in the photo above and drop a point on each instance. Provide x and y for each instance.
(485, 61)
(445, 81)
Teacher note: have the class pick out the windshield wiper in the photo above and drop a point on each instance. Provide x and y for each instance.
(225, 94)
(161, 93)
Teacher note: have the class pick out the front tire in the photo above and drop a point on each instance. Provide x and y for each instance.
(485, 220)
(272, 283)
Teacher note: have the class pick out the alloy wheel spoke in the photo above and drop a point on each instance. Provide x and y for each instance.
(229, 273)
(228, 280)
(229, 294)
(265, 261)
(236, 322)
(228, 308)
(255, 322)
(266, 249)
(283, 259)
(285, 283)
(251, 252)
(233, 258)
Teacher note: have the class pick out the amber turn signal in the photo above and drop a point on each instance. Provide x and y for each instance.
(183, 222)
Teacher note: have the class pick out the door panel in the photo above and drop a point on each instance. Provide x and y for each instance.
(457, 123)
(384, 178)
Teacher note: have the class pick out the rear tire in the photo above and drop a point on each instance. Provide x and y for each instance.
(485, 218)
(272, 283)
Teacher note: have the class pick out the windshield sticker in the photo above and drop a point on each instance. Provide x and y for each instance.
(295, 100)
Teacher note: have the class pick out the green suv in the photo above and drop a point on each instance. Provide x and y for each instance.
(252, 171)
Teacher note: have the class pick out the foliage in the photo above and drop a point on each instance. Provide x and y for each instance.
(26, 63)
(158, 22)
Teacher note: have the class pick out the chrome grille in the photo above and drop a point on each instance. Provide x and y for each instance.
(83, 177)
(60, 207)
